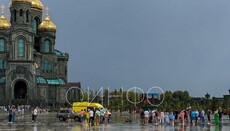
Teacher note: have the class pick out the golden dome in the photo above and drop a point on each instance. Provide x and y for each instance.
(35, 4)
(47, 25)
(4, 23)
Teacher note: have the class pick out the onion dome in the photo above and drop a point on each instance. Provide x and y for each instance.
(35, 4)
(4, 23)
(47, 24)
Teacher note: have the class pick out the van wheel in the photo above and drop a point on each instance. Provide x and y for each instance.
(76, 118)
(61, 118)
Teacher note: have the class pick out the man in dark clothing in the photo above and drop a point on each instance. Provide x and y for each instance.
(220, 114)
(208, 115)
(10, 114)
(142, 115)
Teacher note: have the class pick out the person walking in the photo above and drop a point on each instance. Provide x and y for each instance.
(142, 116)
(14, 112)
(162, 117)
(81, 116)
(196, 116)
(220, 113)
(172, 119)
(97, 116)
(181, 116)
(91, 117)
(167, 120)
(209, 116)
(35, 114)
(84, 116)
(106, 117)
(202, 117)
(101, 115)
(146, 116)
(216, 118)
(87, 116)
(10, 114)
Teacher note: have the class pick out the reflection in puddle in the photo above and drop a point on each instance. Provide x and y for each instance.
(49, 122)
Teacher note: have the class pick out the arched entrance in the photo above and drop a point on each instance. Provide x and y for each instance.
(20, 90)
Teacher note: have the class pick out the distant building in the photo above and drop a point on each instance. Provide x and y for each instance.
(31, 68)
(149, 99)
(227, 99)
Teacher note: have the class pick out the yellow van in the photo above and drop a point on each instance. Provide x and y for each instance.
(78, 106)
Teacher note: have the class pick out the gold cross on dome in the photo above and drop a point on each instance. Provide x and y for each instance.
(47, 10)
(3, 7)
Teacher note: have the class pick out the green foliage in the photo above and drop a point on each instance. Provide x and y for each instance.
(172, 100)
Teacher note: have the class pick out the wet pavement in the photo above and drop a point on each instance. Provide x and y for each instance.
(49, 122)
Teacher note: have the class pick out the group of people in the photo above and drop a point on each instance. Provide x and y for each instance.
(12, 114)
(15, 111)
(182, 117)
(93, 117)
(157, 117)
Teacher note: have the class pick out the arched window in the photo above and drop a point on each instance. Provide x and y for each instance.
(2, 45)
(15, 15)
(35, 26)
(47, 46)
(2, 64)
(27, 16)
(21, 47)
(21, 12)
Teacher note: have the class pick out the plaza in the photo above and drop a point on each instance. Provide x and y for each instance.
(48, 121)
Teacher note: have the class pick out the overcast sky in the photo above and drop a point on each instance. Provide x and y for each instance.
(173, 44)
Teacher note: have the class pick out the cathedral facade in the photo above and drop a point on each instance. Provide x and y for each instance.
(31, 69)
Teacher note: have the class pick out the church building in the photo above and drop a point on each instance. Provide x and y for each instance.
(31, 68)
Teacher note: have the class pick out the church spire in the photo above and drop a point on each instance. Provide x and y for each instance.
(3, 7)
(47, 11)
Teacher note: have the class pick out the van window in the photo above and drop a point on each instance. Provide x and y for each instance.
(62, 111)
